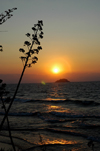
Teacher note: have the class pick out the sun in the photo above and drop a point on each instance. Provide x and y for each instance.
(56, 70)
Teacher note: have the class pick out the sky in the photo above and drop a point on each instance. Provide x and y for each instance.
(71, 43)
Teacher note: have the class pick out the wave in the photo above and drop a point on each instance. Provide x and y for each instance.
(47, 114)
(85, 103)
(47, 100)
(64, 114)
(57, 130)
(60, 100)
(73, 133)
(89, 126)
(20, 114)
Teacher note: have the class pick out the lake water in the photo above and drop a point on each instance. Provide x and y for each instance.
(54, 116)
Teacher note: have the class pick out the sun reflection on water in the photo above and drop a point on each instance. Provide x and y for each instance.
(50, 107)
(60, 141)
(58, 109)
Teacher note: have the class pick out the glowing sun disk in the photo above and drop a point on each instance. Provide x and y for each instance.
(55, 70)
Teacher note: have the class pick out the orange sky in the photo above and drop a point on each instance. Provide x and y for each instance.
(71, 40)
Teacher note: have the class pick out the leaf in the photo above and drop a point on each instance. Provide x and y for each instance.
(35, 25)
(28, 34)
(35, 38)
(1, 49)
(36, 50)
(40, 22)
(28, 53)
(32, 51)
(1, 81)
(9, 17)
(34, 62)
(41, 33)
(35, 58)
(4, 20)
(39, 47)
(4, 85)
(27, 43)
(15, 8)
(37, 42)
(21, 50)
(33, 28)
(40, 36)
(40, 28)
(29, 65)
(23, 58)
(7, 12)
(33, 35)
(10, 10)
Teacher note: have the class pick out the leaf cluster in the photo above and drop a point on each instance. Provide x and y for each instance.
(1, 48)
(4, 17)
(34, 39)
(3, 92)
(7, 15)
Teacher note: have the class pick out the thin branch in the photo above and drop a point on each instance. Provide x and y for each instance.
(35, 40)
(8, 125)
(16, 90)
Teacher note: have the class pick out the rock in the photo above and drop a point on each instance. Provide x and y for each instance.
(62, 80)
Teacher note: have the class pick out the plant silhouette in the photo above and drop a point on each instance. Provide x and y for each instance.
(7, 15)
(3, 92)
(4, 17)
(27, 59)
(1, 48)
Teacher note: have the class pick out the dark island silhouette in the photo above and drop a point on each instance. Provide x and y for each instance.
(62, 80)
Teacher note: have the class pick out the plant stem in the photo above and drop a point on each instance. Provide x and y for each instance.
(8, 126)
(6, 114)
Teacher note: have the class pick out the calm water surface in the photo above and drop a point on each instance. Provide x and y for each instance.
(58, 116)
